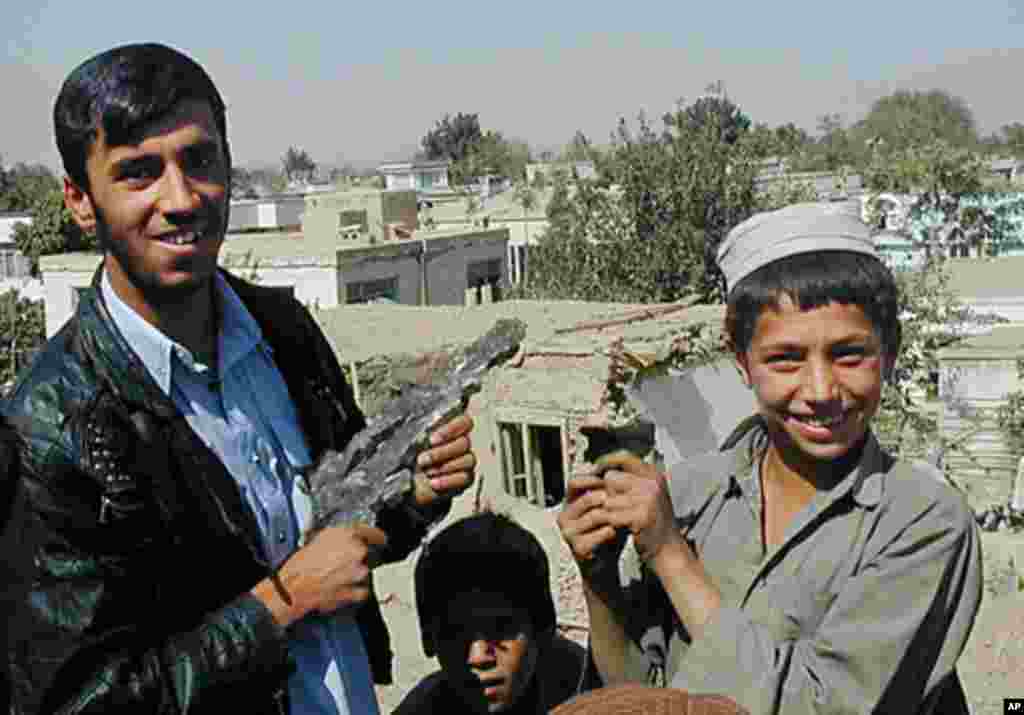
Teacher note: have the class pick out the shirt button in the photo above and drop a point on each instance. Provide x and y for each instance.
(282, 537)
(255, 459)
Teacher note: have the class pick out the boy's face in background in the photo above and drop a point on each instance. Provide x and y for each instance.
(817, 375)
(488, 651)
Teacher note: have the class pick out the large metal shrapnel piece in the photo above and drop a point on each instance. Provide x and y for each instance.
(377, 467)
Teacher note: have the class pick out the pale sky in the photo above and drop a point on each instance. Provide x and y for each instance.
(363, 81)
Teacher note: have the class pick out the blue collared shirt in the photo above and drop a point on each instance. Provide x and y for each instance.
(242, 411)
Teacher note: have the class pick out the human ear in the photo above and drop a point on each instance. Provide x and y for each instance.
(80, 205)
(740, 359)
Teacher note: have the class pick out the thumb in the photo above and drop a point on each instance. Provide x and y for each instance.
(370, 534)
(624, 460)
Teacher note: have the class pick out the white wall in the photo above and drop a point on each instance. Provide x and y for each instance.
(59, 291)
(398, 181)
(7, 224)
(313, 285)
(1010, 308)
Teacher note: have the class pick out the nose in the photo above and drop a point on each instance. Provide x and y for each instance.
(178, 198)
(821, 384)
(481, 653)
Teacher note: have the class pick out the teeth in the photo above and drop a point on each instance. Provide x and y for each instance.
(180, 239)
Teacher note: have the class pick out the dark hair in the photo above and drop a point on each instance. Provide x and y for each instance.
(812, 280)
(486, 552)
(122, 90)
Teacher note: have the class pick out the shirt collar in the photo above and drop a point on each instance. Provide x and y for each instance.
(865, 482)
(239, 334)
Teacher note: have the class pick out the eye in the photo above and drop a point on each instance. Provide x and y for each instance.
(782, 357)
(138, 170)
(851, 354)
(202, 158)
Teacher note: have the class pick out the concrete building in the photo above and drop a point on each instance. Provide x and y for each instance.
(360, 215)
(990, 285)
(577, 169)
(423, 177)
(1007, 169)
(503, 210)
(335, 262)
(278, 212)
(975, 376)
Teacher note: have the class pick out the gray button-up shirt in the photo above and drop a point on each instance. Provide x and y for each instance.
(242, 411)
(864, 607)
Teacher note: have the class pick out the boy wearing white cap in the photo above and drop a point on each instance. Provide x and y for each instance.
(800, 569)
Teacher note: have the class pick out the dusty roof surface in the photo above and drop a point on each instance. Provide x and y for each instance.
(987, 277)
(500, 207)
(359, 332)
(564, 365)
(1004, 341)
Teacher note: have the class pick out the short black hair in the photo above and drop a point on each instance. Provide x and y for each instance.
(485, 552)
(122, 90)
(813, 280)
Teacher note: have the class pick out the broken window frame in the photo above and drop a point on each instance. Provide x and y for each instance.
(534, 485)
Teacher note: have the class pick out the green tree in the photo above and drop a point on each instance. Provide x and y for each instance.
(297, 164)
(242, 184)
(22, 332)
(452, 138)
(716, 113)
(579, 148)
(22, 185)
(52, 230)
(493, 154)
(1013, 136)
(648, 229)
(948, 183)
(932, 317)
(913, 118)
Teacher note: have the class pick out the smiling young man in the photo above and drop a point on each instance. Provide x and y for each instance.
(484, 602)
(813, 573)
(164, 433)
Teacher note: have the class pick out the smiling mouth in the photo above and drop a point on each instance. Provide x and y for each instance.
(181, 238)
(819, 421)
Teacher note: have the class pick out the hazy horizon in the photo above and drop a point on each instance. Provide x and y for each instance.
(363, 84)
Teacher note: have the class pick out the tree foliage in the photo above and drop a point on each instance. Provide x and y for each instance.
(950, 194)
(452, 138)
(648, 229)
(1013, 139)
(22, 331)
(473, 152)
(579, 148)
(243, 184)
(911, 118)
(494, 155)
(298, 165)
(716, 114)
(52, 230)
(932, 317)
(23, 184)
